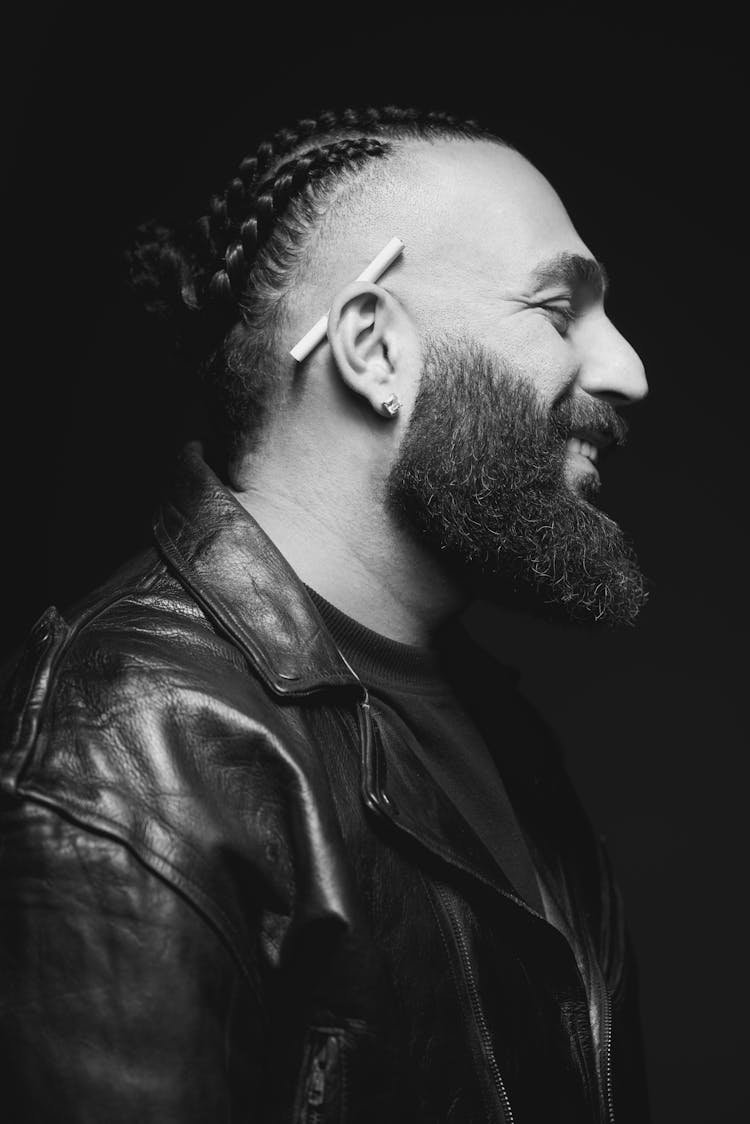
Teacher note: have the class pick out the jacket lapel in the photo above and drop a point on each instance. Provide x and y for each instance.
(396, 786)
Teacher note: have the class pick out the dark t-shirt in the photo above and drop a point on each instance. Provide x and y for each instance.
(411, 681)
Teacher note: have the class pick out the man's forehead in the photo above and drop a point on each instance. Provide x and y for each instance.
(486, 209)
(474, 215)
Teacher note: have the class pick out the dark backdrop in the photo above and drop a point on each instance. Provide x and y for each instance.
(113, 109)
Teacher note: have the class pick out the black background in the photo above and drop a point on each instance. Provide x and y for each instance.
(115, 113)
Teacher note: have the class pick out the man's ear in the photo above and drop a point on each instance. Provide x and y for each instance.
(373, 341)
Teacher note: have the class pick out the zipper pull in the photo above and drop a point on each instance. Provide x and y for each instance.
(317, 1086)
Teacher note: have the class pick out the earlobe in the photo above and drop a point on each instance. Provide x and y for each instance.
(364, 325)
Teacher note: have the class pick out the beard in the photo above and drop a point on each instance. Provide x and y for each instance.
(480, 478)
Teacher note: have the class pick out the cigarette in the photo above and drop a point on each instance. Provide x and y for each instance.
(372, 273)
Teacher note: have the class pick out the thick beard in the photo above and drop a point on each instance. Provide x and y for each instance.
(480, 477)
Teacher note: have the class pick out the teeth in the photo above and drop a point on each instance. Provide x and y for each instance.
(585, 447)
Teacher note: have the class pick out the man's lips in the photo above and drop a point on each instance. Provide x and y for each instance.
(584, 449)
(588, 442)
(596, 439)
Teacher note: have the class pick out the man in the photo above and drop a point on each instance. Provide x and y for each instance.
(279, 842)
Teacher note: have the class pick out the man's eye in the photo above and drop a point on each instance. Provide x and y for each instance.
(562, 316)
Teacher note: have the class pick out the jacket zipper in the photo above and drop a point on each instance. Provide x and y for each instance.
(597, 998)
(609, 1100)
(602, 1041)
(477, 1011)
(315, 1091)
(376, 792)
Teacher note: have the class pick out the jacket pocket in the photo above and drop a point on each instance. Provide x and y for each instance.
(322, 1092)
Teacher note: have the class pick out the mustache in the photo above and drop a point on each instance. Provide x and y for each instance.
(572, 415)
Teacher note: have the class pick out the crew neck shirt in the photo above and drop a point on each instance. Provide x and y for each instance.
(411, 680)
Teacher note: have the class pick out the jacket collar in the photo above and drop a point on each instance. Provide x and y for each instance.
(243, 583)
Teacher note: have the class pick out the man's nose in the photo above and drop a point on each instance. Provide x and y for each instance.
(611, 368)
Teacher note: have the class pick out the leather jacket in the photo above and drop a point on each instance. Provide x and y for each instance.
(231, 893)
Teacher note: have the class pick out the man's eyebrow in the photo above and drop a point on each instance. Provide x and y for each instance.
(574, 271)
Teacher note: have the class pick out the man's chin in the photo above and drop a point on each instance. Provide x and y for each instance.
(574, 583)
(600, 612)
(584, 483)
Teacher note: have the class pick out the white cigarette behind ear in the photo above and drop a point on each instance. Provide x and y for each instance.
(373, 272)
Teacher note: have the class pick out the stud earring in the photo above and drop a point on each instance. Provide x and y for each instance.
(391, 405)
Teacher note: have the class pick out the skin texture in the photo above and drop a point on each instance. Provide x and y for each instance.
(477, 220)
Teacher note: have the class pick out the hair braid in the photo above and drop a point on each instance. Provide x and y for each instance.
(246, 234)
(232, 266)
(226, 241)
(244, 189)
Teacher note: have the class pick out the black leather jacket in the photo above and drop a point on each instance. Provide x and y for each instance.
(231, 893)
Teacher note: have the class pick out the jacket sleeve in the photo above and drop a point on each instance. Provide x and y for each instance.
(118, 1000)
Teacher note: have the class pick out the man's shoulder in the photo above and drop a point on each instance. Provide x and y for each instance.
(142, 622)
(119, 681)
(133, 717)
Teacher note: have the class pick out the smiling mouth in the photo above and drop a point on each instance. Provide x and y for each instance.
(584, 448)
(588, 443)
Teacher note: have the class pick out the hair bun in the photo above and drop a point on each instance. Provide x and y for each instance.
(161, 271)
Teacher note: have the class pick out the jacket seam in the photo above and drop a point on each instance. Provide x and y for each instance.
(174, 879)
(95, 610)
(74, 629)
(16, 682)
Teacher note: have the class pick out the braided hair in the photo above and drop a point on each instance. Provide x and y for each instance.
(221, 280)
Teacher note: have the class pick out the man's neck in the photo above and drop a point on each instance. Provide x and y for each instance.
(345, 545)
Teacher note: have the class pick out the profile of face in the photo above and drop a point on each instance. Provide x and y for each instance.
(497, 468)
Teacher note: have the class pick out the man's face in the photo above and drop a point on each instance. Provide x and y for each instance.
(485, 473)
(522, 377)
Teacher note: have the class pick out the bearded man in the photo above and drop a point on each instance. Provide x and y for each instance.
(279, 842)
